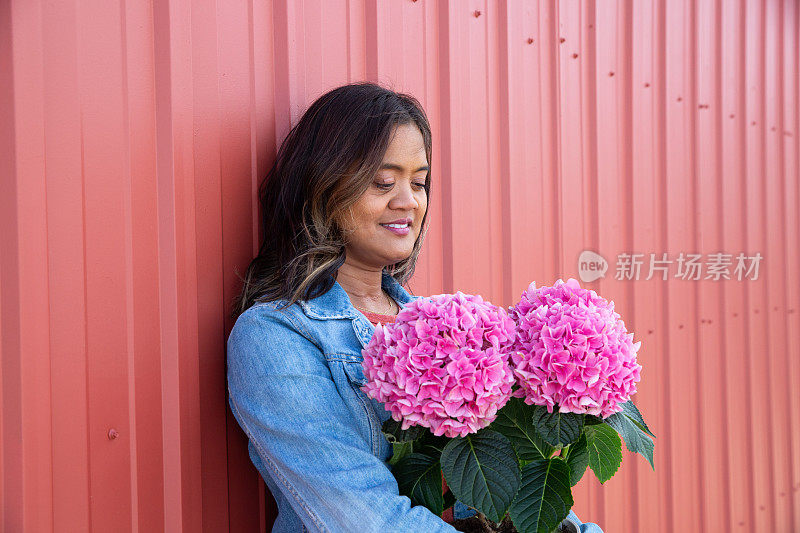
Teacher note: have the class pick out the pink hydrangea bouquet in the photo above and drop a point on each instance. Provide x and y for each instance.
(443, 364)
(573, 350)
(509, 406)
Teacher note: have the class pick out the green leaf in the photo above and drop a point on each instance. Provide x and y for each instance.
(430, 444)
(591, 420)
(605, 451)
(636, 440)
(391, 429)
(631, 411)
(577, 459)
(419, 477)
(482, 471)
(515, 421)
(557, 429)
(544, 498)
(400, 450)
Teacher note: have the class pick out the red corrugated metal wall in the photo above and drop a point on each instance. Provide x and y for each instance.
(134, 136)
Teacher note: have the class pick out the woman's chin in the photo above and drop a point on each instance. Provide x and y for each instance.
(398, 256)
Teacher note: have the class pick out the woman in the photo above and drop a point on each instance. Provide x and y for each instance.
(344, 210)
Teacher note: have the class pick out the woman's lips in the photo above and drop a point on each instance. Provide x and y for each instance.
(398, 231)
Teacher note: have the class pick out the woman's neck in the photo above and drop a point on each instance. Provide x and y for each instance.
(363, 286)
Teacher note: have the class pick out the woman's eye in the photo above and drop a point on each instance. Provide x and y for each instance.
(389, 185)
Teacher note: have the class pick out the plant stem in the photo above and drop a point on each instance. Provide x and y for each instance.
(565, 452)
(486, 522)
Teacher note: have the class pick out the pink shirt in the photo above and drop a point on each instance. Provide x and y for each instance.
(375, 318)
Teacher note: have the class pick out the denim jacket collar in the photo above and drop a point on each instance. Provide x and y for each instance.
(336, 303)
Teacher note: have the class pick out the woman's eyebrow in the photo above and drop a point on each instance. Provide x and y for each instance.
(392, 166)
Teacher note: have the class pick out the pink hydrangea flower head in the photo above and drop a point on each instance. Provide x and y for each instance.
(442, 364)
(572, 349)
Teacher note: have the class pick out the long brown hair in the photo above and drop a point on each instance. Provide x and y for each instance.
(325, 163)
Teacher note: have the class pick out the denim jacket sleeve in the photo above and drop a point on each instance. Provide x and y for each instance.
(284, 397)
(573, 524)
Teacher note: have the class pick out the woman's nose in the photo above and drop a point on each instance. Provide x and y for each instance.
(404, 198)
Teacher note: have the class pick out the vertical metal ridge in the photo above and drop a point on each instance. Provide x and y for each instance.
(589, 74)
(89, 461)
(348, 33)
(504, 83)
(719, 113)
(255, 178)
(764, 224)
(762, 505)
(46, 304)
(371, 44)
(627, 50)
(748, 519)
(792, 313)
(495, 33)
(708, 238)
(550, 34)
(127, 221)
(11, 469)
(445, 91)
(692, 104)
(661, 99)
(783, 486)
(282, 97)
(592, 180)
(164, 77)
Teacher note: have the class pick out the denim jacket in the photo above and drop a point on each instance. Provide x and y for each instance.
(294, 379)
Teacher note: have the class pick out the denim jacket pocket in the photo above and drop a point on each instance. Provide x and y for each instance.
(375, 411)
(355, 373)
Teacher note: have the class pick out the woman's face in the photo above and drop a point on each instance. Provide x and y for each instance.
(397, 194)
